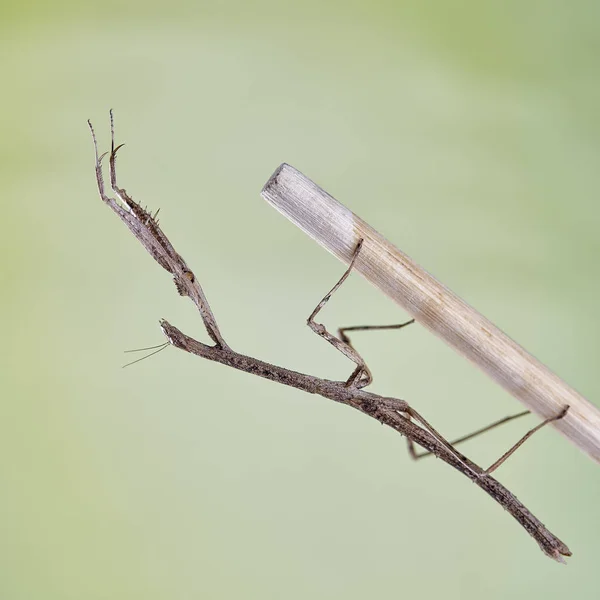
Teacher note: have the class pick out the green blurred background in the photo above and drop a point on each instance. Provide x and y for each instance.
(467, 132)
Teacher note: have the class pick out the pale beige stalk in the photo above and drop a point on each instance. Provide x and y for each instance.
(433, 305)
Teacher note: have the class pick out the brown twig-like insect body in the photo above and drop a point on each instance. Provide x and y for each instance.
(392, 412)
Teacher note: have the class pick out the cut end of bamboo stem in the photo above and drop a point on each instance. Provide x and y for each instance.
(338, 229)
(332, 225)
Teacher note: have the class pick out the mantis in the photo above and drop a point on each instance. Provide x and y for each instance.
(392, 412)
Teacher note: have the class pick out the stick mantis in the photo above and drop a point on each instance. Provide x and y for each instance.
(393, 412)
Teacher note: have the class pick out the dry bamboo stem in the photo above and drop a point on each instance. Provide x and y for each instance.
(433, 305)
